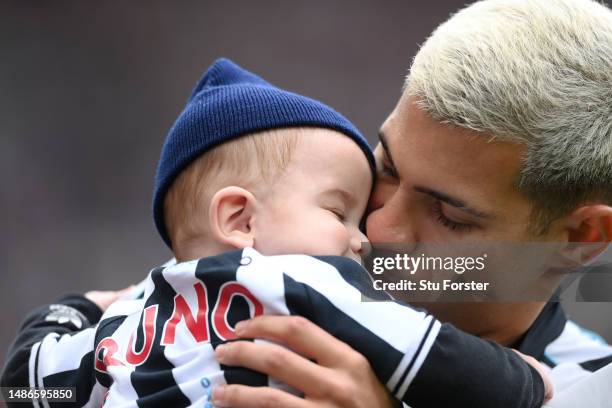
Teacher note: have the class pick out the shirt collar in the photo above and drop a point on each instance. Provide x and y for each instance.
(545, 329)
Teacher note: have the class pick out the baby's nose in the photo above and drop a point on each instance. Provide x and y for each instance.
(356, 245)
(357, 242)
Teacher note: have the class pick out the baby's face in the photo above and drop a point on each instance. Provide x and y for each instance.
(316, 206)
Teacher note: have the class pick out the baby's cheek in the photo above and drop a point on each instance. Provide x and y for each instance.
(320, 237)
(337, 239)
(276, 238)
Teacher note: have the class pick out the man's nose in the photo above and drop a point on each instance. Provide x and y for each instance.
(393, 222)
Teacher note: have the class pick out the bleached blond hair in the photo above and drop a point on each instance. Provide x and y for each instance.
(253, 162)
(536, 72)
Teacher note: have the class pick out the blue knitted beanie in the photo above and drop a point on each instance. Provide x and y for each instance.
(230, 102)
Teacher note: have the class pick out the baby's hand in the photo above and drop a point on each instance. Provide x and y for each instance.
(104, 298)
(548, 387)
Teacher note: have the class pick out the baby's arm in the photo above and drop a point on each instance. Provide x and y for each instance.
(54, 348)
(422, 362)
(469, 371)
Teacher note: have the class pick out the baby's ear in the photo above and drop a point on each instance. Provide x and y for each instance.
(230, 215)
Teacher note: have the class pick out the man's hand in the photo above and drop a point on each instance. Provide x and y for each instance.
(548, 387)
(104, 298)
(338, 377)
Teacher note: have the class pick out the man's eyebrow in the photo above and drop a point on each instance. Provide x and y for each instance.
(385, 145)
(455, 202)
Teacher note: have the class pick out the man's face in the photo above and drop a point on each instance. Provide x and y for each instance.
(440, 183)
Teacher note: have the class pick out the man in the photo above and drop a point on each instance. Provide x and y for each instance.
(503, 133)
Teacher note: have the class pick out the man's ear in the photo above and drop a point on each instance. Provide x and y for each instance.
(589, 231)
(230, 215)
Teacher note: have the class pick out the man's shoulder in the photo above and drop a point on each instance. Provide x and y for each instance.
(579, 346)
(575, 355)
(571, 351)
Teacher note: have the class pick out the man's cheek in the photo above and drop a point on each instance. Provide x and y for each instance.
(391, 225)
(376, 228)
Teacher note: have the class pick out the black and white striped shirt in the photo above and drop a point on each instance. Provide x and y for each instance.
(157, 350)
(572, 352)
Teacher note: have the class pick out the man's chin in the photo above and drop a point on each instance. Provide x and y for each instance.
(503, 322)
(478, 318)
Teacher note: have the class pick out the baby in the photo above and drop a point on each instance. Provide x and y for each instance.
(260, 193)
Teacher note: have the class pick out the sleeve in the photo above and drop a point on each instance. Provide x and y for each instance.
(54, 348)
(412, 353)
(468, 369)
